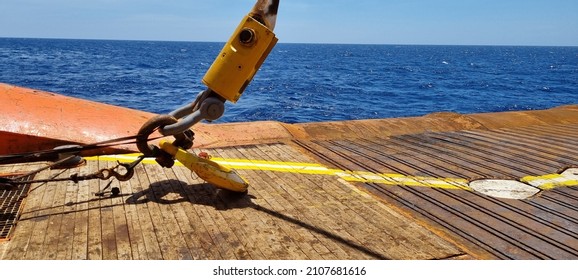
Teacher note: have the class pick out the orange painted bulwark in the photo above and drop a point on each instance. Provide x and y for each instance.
(33, 120)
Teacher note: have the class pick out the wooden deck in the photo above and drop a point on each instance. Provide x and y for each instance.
(169, 214)
(376, 195)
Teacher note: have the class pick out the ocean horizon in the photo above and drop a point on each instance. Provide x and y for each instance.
(302, 82)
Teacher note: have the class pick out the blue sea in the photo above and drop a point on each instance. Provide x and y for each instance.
(302, 82)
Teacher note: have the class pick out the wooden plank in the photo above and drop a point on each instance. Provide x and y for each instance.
(295, 211)
(193, 229)
(292, 211)
(328, 189)
(271, 235)
(66, 235)
(265, 233)
(140, 200)
(121, 227)
(227, 220)
(80, 237)
(215, 223)
(197, 216)
(136, 227)
(50, 246)
(202, 195)
(44, 194)
(372, 224)
(94, 249)
(323, 224)
(385, 227)
(281, 215)
(233, 209)
(300, 193)
(172, 195)
(398, 163)
(163, 220)
(114, 222)
(6, 169)
(3, 250)
(74, 218)
(109, 249)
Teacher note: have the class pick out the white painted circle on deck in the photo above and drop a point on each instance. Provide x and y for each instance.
(571, 173)
(509, 189)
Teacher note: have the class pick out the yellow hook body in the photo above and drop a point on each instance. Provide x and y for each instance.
(210, 171)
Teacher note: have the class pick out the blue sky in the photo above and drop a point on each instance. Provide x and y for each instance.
(461, 22)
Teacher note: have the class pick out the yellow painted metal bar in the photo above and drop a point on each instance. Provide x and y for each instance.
(550, 181)
(544, 182)
(315, 169)
(210, 171)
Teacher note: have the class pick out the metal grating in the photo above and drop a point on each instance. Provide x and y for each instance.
(11, 199)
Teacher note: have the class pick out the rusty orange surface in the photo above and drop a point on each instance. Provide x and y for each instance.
(34, 120)
(506, 145)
